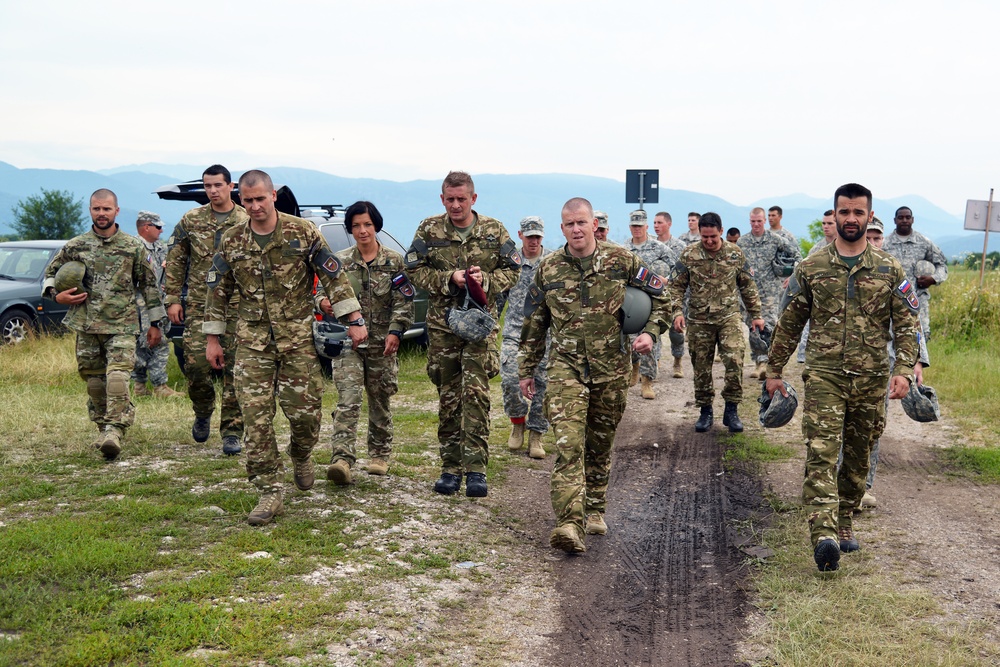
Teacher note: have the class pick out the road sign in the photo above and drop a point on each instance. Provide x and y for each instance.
(975, 215)
(642, 186)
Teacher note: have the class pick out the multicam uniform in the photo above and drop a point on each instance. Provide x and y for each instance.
(151, 362)
(190, 250)
(760, 252)
(715, 283)
(853, 311)
(458, 368)
(107, 322)
(677, 338)
(275, 355)
(515, 405)
(660, 258)
(578, 301)
(909, 250)
(386, 298)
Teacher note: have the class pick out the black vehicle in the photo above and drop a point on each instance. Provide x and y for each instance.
(23, 311)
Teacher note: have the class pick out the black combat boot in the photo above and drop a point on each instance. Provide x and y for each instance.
(475, 485)
(705, 421)
(731, 418)
(447, 484)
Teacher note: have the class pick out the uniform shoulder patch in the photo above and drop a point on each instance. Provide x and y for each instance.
(219, 268)
(533, 299)
(402, 284)
(326, 261)
(509, 250)
(909, 295)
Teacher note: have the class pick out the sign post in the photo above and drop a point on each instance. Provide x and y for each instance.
(979, 215)
(642, 186)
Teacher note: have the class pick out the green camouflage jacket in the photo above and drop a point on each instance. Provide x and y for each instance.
(853, 313)
(190, 251)
(580, 300)
(117, 268)
(717, 282)
(383, 289)
(275, 284)
(438, 251)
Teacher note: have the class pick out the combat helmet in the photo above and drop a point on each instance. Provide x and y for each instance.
(70, 275)
(921, 404)
(777, 410)
(923, 268)
(635, 310)
(783, 263)
(328, 339)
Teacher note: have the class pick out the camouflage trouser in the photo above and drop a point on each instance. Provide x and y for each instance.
(841, 411)
(295, 378)
(105, 361)
(366, 370)
(648, 363)
(198, 371)
(924, 315)
(151, 363)
(461, 372)
(702, 341)
(769, 304)
(584, 416)
(515, 405)
(676, 343)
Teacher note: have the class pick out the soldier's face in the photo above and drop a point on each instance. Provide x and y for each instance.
(711, 238)
(601, 233)
(829, 228)
(773, 218)
(103, 212)
(756, 224)
(638, 232)
(259, 202)
(219, 192)
(693, 224)
(661, 226)
(904, 222)
(852, 217)
(875, 237)
(458, 203)
(531, 245)
(579, 226)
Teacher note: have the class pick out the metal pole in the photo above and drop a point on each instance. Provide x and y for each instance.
(642, 188)
(986, 239)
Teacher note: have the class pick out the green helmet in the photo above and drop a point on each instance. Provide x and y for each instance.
(635, 310)
(783, 263)
(70, 275)
(921, 404)
(777, 410)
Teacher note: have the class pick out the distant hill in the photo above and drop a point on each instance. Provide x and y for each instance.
(503, 196)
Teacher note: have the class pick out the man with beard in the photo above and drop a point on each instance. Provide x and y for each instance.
(856, 297)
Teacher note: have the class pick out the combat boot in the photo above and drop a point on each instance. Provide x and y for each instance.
(231, 445)
(848, 542)
(516, 439)
(475, 485)
(567, 538)
(761, 371)
(164, 391)
(596, 525)
(201, 429)
(535, 449)
(448, 484)
(647, 388)
(110, 442)
(634, 380)
(827, 555)
(378, 466)
(678, 371)
(141, 390)
(339, 472)
(705, 420)
(303, 473)
(868, 500)
(269, 506)
(731, 418)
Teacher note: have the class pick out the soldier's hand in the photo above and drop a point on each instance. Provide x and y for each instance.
(757, 324)
(775, 384)
(475, 273)
(923, 282)
(391, 345)
(918, 373)
(175, 312)
(679, 323)
(153, 337)
(899, 387)
(214, 354)
(357, 335)
(458, 277)
(643, 344)
(528, 388)
(68, 298)
(326, 307)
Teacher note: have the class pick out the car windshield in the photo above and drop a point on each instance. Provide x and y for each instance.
(25, 264)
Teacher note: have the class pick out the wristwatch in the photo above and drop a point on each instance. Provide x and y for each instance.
(360, 322)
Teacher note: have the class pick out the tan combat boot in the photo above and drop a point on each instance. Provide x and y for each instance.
(110, 442)
(141, 390)
(269, 506)
(535, 449)
(565, 537)
(303, 473)
(378, 466)
(516, 439)
(339, 472)
(596, 525)
(678, 372)
(164, 391)
(647, 388)
(634, 380)
(761, 371)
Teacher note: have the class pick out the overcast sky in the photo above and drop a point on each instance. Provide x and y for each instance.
(743, 100)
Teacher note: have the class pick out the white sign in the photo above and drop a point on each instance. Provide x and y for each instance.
(975, 215)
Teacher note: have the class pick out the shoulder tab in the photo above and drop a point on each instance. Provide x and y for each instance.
(417, 251)
(325, 261)
(179, 234)
(402, 284)
(509, 251)
(678, 269)
(905, 291)
(219, 268)
(533, 299)
(647, 281)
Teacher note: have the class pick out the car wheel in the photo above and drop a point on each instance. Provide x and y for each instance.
(15, 326)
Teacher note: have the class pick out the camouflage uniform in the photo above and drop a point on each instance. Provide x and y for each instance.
(909, 250)
(275, 355)
(387, 309)
(151, 362)
(760, 251)
(847, 370)
(801, 354)
(687, 238)
(190, 250)
(715, 284)
(460, 369)
(578, 301)
(677, 338)
(660, 258)
(787, 235)
(107, 322)
(515, 405)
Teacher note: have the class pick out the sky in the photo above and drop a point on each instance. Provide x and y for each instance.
(743, 100)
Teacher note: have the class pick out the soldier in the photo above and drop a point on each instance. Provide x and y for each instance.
(692, 235)
(105, 317)
(577, 297)
(910, 247)
(774, 215)
(660, 259)
(829, 226)
(602, 226)
(386, 297)
(272, 261)
(151, 363)
(761, 248)
(661, 225)
(717, 274)
(854, 294)
(523, 415)
(733, 234)
(189, 257)
(449, 252)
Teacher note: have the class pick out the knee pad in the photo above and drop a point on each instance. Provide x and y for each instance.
(96, 388)
(117, 384)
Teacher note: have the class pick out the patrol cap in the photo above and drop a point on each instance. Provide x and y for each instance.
(150, 218)
(532, 226)
(876, 224)
(637, 218)
(602, 219)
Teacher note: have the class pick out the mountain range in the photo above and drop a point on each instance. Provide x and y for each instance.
(508, 197)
